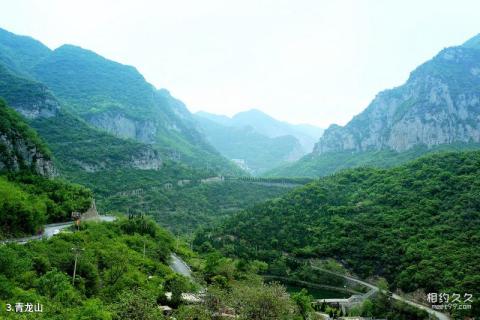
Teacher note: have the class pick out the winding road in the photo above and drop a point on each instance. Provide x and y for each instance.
(439, 315)
(179, 266)
(176, 263)
(52, 229)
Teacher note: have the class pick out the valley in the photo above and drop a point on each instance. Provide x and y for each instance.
(253, 217)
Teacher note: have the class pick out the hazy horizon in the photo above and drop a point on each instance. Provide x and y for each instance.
(309, 62)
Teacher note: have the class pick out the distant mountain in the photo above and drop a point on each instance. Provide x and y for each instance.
(437, 108)
(264, 124)
(252, 150)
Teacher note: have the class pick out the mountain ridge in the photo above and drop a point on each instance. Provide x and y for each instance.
(112, 97)
(437, 107)
(268, 126)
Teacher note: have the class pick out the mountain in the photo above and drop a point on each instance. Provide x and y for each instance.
(412, 224)
(76, 145)
(20, 146)
(137, 148)
(438, 106)
(117, 99)
(262, 123)
(255, 151)
(112, 97)
(20, 53)
(29, 194)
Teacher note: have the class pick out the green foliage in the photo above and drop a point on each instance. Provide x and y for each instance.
(20, 53)
(28, 201)
(137, 305)
(183, 209)
(93, 87)
(304, 303)
(325, 164)
(114, 279)
(78, 147)
(16, 130)
(416, 224)
(19, 211)
(260, 302)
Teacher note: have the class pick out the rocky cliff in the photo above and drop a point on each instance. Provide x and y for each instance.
(69, 136)
(117, 99)
(439, 104)
(30, 98)
(20, 147)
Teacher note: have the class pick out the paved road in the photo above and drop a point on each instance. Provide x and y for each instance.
(52, 229)
(179, 266)
(439, 315)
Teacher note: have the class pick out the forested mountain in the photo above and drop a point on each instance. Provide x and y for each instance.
(262, 123)
(28, 196)
(416, 225)
(77, 146)
(126, 174)
(259, 152)
(112, 97)
(439, 105)
(20, 53)
(20, 146)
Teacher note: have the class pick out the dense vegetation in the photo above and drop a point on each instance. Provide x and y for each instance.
(15, 130)
(78, 147)
(325, 164)
(28, 201)
(182, 209)
(113, 275)
(416, 225)
(98, 90)
(122, 273)
(20, 53)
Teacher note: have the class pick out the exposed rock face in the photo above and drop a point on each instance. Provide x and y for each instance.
(439, 104)
(123, 126)
(44, 107)
(19, 154)
(145, 159)
(29, 98)
(148, 159)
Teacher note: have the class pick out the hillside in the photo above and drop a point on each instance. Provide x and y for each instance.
(112, 276)
(416, 225)
(112, 97)
(77, 146)
(439, 105)
(29, 197)
(117, 99)
(20, 53)
(264, 124)
(20, 146)
(259, 152)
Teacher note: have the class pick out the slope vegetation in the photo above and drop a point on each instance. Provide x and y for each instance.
(416, 225)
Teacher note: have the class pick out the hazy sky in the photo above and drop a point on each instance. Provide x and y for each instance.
(318, 62)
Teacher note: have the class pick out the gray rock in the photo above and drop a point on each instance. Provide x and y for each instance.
(439, 104)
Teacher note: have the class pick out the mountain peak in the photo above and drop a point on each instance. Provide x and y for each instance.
(473, 42)
(253, 112)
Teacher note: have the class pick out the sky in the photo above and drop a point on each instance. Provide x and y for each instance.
(302, 61)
